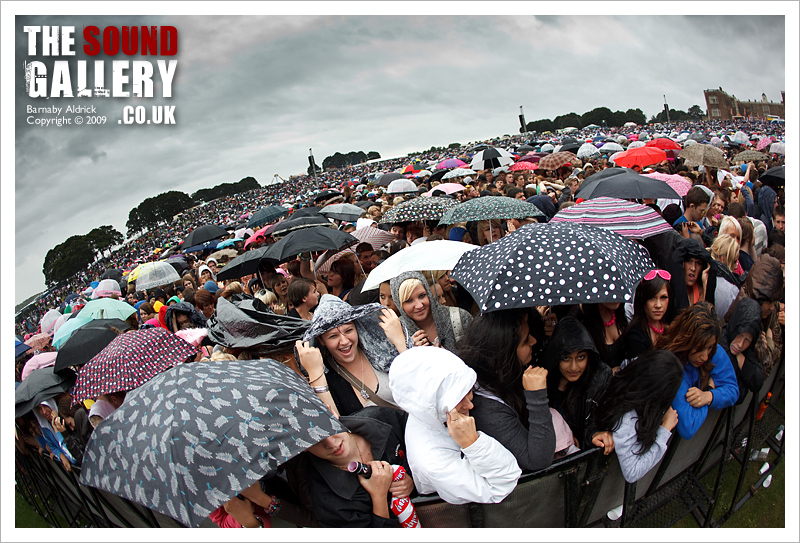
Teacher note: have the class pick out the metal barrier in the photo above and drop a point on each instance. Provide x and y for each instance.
(575, 491)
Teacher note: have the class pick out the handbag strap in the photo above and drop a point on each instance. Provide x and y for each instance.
(371, 395)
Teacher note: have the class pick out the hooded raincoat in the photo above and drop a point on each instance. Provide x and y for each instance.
(451, 322)
(578, 402)
(427, 382)
(746, 318)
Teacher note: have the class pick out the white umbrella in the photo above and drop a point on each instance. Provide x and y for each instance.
(401, 186)
(778, 148)
(458, 172)
(588, 150)
(614, 156)
(636, 145)
(688, 143)
(423, 173)
(741, 138)
(611, 148)
(156, 274)
(430, 255)
(629, 124)
(547, 148)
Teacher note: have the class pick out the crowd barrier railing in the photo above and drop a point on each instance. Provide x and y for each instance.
(577, 491)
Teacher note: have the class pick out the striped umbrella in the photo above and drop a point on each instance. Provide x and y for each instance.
(679, 184)
(626, 218)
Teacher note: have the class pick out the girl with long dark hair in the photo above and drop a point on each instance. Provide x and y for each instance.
(510, 401)
(652, 311)
(636, 409)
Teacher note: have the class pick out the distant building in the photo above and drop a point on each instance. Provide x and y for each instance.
(722, 106)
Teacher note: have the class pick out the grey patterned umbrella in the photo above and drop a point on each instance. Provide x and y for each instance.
(265, 215)
(490, 207)
(342, 212)
(195, 436)
(424, 208)
(553, 264)
(705, 155)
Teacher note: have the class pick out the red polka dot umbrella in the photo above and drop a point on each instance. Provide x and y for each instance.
(130, 360)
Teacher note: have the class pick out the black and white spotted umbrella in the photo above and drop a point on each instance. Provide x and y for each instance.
(553, 264)
(195, 436)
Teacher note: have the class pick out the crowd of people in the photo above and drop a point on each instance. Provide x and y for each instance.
(466, 401)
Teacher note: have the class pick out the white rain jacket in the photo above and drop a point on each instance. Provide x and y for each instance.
(426, 382)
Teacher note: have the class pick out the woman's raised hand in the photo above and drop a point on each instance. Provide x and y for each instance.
(670, 419)
(534, 378)
(310, 358)
(393, 329)
(461, 428)
(420, 338)
(380, 481)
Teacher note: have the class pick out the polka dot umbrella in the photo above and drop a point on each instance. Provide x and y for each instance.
(131, 360)
(553, 264)
(424, 208)
(490, 207)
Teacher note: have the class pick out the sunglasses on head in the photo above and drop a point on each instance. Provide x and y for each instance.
(663, 274)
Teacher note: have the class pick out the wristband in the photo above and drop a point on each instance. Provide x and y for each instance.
(317, 379)
(712, 397)
(320, 390)
(274, 507)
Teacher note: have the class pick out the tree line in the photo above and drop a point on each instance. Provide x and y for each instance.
(604, 117)
(77, 252)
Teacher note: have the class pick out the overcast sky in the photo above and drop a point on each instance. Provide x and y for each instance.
(253, 94)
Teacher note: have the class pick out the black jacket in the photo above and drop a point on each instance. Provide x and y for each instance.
(579, 401)
(338, 499)
(746, 318)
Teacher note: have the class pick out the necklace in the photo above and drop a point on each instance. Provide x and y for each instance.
(358, 450)
(609, 323)
(363, 391)
(656, 330)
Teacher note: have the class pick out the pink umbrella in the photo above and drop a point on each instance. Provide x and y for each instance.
(448, 188)
(450, 163)
(41, 360)
(39, 341)
(763, 143)
(524, 165)
(678, 183)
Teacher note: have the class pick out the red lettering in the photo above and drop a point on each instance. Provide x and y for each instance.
(169, 41)
(150, 40)
(111, 40)
(130, 40)
(92, 46)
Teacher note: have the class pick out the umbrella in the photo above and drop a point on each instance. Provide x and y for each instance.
(326, 195)
(401, 186)
(741, 138)
(571, 147)
(205, 233)
(106, 308)
(412, 168)
(763, 143)
(679, 184)
(40, 385)
(556, 160)
(156, 274)
(301, 223)
(524, 165)
(423, 208)
(305, 212)
(438, 175)
(80, 321)
(748, 155)
(48, 321)
(374, 236)
(553, 264)
(491, 158)
(447, 188)
(774, 177)
(490, 207)
(39, 341)
(309, 239)
(624, 183)
(387, 178)
(611, 148)
(705, 155)
(197, 435)
(459, 172)
(548, 148)
(178, 262)
(431, 255)
(641, 156)
(778, 148)
(198, 248)
(450, 163)
(223, 254)
(637, 144)
(423, 173)
(251, 324)
(626, 218)
(83, 345)
(20, 348)
(265, 215)
(342, 212)
(697, 136)
(533, 159)
(41, 360)
(244, 264)
(688, 143)
(663, 144)
(130, 360)
(106, 288)
(111, 273)
(588, 151)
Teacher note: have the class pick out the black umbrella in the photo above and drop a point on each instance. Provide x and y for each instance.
(112, 273)
(387, 178)
(211, 430)
(266, 214)
(326, 195)
(491, 158)
(437, 176)
(567, 140)
(301, 223)
(205, 233)
(571, 147)
(178, 262)
(306, 212)
(365, 204)
(314, 238)
(774, 177)
(251, 324)
(553, 264)
(524, 149)
(42, 384)
(243, 264)
(624, 183)
(83, 344)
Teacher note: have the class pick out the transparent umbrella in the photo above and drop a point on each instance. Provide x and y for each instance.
(156, 274)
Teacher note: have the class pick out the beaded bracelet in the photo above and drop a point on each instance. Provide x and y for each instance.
(274, 507)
